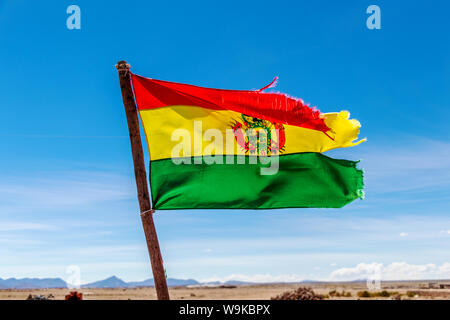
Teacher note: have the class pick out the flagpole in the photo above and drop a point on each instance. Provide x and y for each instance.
(141, 181)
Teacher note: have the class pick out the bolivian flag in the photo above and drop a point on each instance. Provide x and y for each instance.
(238, 149)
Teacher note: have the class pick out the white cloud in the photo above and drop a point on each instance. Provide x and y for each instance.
(393, 271)
(403, 234)
(24, 226)
(64, 190)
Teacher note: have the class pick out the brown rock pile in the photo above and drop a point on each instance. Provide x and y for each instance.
(302, 293)
(40, 297)
(74, 296)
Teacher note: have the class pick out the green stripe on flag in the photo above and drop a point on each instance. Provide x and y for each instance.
(303, 180)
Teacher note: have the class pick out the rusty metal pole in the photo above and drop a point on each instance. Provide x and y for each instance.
(154, 251)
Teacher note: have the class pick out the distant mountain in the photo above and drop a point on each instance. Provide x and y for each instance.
(114, 282)
(240, 283)
(212, 283)
(144, 283)
(32, 283)
(236, 283)
(111, 282)
(310, 281)
(181, 282)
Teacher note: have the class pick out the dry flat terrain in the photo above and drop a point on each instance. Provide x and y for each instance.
(349, 290)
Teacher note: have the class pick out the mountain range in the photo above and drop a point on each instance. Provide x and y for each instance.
(32, 283)
(111, 282)
(115, 282)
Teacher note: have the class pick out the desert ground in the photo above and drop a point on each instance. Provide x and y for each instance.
(404, 290)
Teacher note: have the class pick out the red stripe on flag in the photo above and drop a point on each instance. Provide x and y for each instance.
(275, 107)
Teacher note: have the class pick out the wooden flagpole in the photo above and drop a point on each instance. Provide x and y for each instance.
(159, 276)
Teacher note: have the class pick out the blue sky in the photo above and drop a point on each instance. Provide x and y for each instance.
(67, 193)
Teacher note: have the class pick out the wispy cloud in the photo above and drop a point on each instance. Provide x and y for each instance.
(10, 243)
(64, 189)
(24, 226)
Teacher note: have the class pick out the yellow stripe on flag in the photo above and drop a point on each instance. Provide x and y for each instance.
(161, 126)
